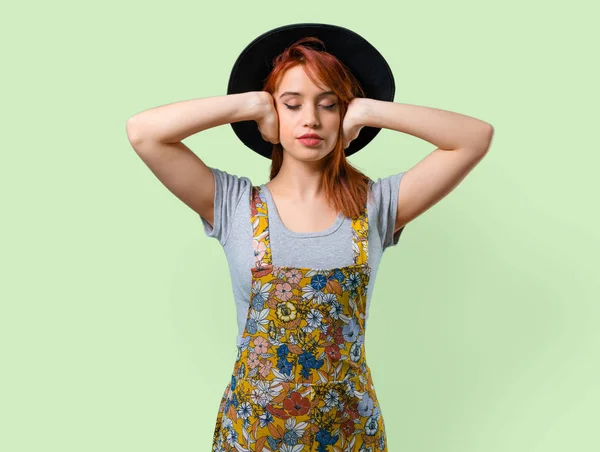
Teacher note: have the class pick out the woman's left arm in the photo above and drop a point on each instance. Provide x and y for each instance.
(461, 143)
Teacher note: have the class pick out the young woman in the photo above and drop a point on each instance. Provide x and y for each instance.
(313, 236)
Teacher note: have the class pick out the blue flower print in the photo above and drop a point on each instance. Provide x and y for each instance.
(265, 419)
(338, 274)
(371, 426)
(283, 351)
(273, 443)
(243, 343)
(258, 302)
(308, 361)
(355, 352)
(353, 281)
(244, 410)
(351, 330)
(318, 282)
(290, 438)
(365, 406)
(284, 366)
(325, 439)
(234, 401)
(251, 326)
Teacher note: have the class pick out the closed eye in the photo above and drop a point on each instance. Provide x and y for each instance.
(295, 107)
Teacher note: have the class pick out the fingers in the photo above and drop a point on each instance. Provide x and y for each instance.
(273, 139)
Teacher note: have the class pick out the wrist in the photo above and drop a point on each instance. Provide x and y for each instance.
(365, 110)
(262, 103)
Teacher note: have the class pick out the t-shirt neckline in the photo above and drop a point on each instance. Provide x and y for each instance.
(273, 214)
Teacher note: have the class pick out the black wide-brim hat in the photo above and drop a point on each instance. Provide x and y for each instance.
(256, 62)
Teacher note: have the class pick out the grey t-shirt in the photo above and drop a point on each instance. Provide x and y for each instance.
(329, 248)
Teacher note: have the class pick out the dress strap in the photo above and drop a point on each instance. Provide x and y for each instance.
(360, 237)
(261, 242)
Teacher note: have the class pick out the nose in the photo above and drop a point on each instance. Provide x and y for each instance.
(311, 118)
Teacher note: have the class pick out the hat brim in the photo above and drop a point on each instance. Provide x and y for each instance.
(256, 62)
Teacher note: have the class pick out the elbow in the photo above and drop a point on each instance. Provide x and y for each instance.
(134, 132)
(485, 138)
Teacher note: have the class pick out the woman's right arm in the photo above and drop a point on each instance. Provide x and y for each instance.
(156, 136)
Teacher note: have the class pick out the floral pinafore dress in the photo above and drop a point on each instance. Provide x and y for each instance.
(300, 381)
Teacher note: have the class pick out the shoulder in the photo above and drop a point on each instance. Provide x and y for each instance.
(230, 190)
(229, 185)
(231, 177)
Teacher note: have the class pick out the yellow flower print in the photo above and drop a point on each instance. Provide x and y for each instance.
(286, 311)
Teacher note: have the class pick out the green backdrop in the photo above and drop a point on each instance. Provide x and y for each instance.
(118, 323)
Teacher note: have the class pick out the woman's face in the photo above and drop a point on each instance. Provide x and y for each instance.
(304, 108)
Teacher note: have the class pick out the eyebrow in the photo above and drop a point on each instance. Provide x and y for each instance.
(295, 93)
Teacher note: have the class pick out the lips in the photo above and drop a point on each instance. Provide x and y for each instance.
(310, 135)
(310, 141)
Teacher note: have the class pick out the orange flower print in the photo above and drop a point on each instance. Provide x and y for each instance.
(283, 291)
(333, 332)
(352, 411)
(347, 427)
(333, 351)
(253, 360)
(259, 249)
(264, 368)
(296, 405)
(261, 345)
(293, 275)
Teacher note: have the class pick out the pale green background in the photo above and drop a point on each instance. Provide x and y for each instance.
(118, 326)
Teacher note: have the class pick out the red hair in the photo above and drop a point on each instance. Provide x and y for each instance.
(345, 187)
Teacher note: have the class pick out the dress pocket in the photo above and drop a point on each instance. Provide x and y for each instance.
(270, 415)
(347, 415)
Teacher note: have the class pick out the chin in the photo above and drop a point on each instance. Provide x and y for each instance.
(305, 153)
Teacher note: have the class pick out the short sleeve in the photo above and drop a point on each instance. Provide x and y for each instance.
(385, 191)
(229, 190)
